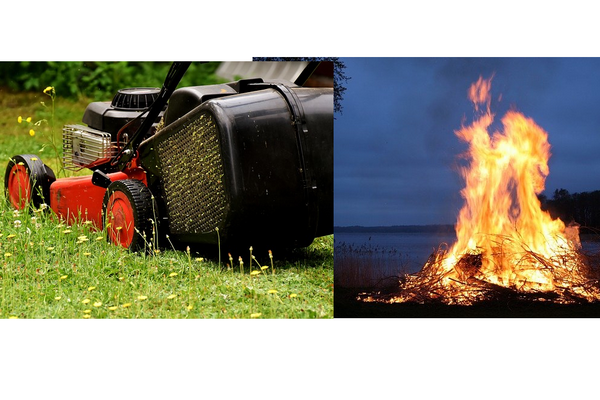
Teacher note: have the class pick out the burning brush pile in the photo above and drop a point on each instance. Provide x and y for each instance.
(506, 247)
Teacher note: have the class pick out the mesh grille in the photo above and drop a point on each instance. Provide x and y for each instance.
(85, 147)
(193, 176)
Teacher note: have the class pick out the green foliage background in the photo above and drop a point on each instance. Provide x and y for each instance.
(97, 81)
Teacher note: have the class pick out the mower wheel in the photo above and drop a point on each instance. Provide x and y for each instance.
(27, 179)
(128, 214)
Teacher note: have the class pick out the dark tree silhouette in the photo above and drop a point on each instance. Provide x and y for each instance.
(582, 208)
(339, 75)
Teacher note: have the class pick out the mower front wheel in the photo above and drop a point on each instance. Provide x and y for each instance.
(27, 180)
(128, 214)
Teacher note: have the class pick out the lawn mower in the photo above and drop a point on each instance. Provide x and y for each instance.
(246, 163)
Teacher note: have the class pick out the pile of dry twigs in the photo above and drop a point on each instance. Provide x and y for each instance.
(575, 278)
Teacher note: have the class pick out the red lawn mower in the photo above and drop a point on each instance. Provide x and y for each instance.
(244, 163)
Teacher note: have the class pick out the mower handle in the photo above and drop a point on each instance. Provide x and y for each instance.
(128, 151)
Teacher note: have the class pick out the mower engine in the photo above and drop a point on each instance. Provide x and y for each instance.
(97, 143)
(238, 164)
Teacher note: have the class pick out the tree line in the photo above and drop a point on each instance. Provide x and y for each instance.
(581, 208)
(98, 81)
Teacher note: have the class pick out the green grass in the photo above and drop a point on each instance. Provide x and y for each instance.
(51, 270)
(14, 136)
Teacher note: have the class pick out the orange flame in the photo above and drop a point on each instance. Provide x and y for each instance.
(501, 208)
(504, 239)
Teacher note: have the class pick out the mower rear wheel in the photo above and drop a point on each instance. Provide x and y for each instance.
(27, 180)
(128, 214)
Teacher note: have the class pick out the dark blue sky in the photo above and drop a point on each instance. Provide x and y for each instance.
(395, 147)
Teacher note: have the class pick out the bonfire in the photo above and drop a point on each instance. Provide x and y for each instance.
(506, 245)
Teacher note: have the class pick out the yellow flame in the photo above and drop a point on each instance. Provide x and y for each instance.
(504, 239)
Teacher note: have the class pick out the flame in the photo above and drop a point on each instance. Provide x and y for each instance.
(502, 216)
(504, 239)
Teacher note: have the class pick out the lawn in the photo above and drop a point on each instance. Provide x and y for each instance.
(53, 270)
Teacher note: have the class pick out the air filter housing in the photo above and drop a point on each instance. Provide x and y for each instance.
(256, 165)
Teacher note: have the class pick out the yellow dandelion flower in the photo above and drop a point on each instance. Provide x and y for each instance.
(87, 311)
(142, 298)
(171, 296)
(172, 274)
(49, 248)
(13, 317)
(190, 307)
(12, 235)
(82, 238)
(97, 304)
(254, 273)
(28, 119)
(99, 238)
(49, 90)
(85, 301)
(7, 255)
(87, 254)
(62, 278)
(113, 308)
(31, 132)
(264, 267)
(57, 298)
(255, 315)
(121, 278)
(87, 316)
(272, 291)
(66, 231)
(293, 295)
(20, 119)
(126, 305)
(199, 259)
(91, 288)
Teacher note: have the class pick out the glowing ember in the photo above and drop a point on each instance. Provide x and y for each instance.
(505, 242)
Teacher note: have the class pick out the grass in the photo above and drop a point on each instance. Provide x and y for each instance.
(15, 138)
(51, 270)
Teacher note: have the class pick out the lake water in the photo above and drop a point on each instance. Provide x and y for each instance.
(378, 259)
(411, 249)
